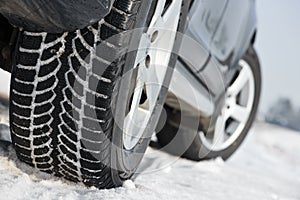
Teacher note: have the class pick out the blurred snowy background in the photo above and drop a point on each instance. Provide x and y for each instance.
(278, 45)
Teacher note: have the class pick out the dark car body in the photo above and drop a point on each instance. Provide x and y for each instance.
(54, 16)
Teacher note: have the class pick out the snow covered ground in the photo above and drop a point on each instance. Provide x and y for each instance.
(4, 82)
(267, 166)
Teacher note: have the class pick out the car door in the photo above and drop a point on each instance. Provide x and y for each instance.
(234, 32)
(204, 19)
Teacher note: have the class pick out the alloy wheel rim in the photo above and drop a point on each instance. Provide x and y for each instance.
(152, 60)
(239, 100)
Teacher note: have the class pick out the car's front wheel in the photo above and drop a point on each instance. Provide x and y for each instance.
(84, 104)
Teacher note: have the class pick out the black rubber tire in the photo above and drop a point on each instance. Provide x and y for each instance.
(61, 113)
(51, 102)
(186, 142)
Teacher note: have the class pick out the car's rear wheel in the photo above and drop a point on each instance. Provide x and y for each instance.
(84, 104)
(230, 127)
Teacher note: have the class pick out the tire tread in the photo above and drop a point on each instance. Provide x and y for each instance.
(53, 92)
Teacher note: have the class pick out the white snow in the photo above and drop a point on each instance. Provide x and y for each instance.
(4, 82)
(265, 167)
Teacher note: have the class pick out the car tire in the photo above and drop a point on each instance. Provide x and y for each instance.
(70, 94)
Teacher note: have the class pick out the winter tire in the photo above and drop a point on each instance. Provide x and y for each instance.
(75, 96)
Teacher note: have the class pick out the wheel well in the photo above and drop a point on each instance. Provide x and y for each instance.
(253, 37)
(7, 42)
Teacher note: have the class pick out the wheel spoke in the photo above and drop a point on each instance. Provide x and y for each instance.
(219, 133)
(240, 82)
(159, 62)
(167, 26)
(239, 113)
(171, 16)
(142, 50)
(136, 122)
(158, 12)
(137, 95)
(153, 87)
(135, 125)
